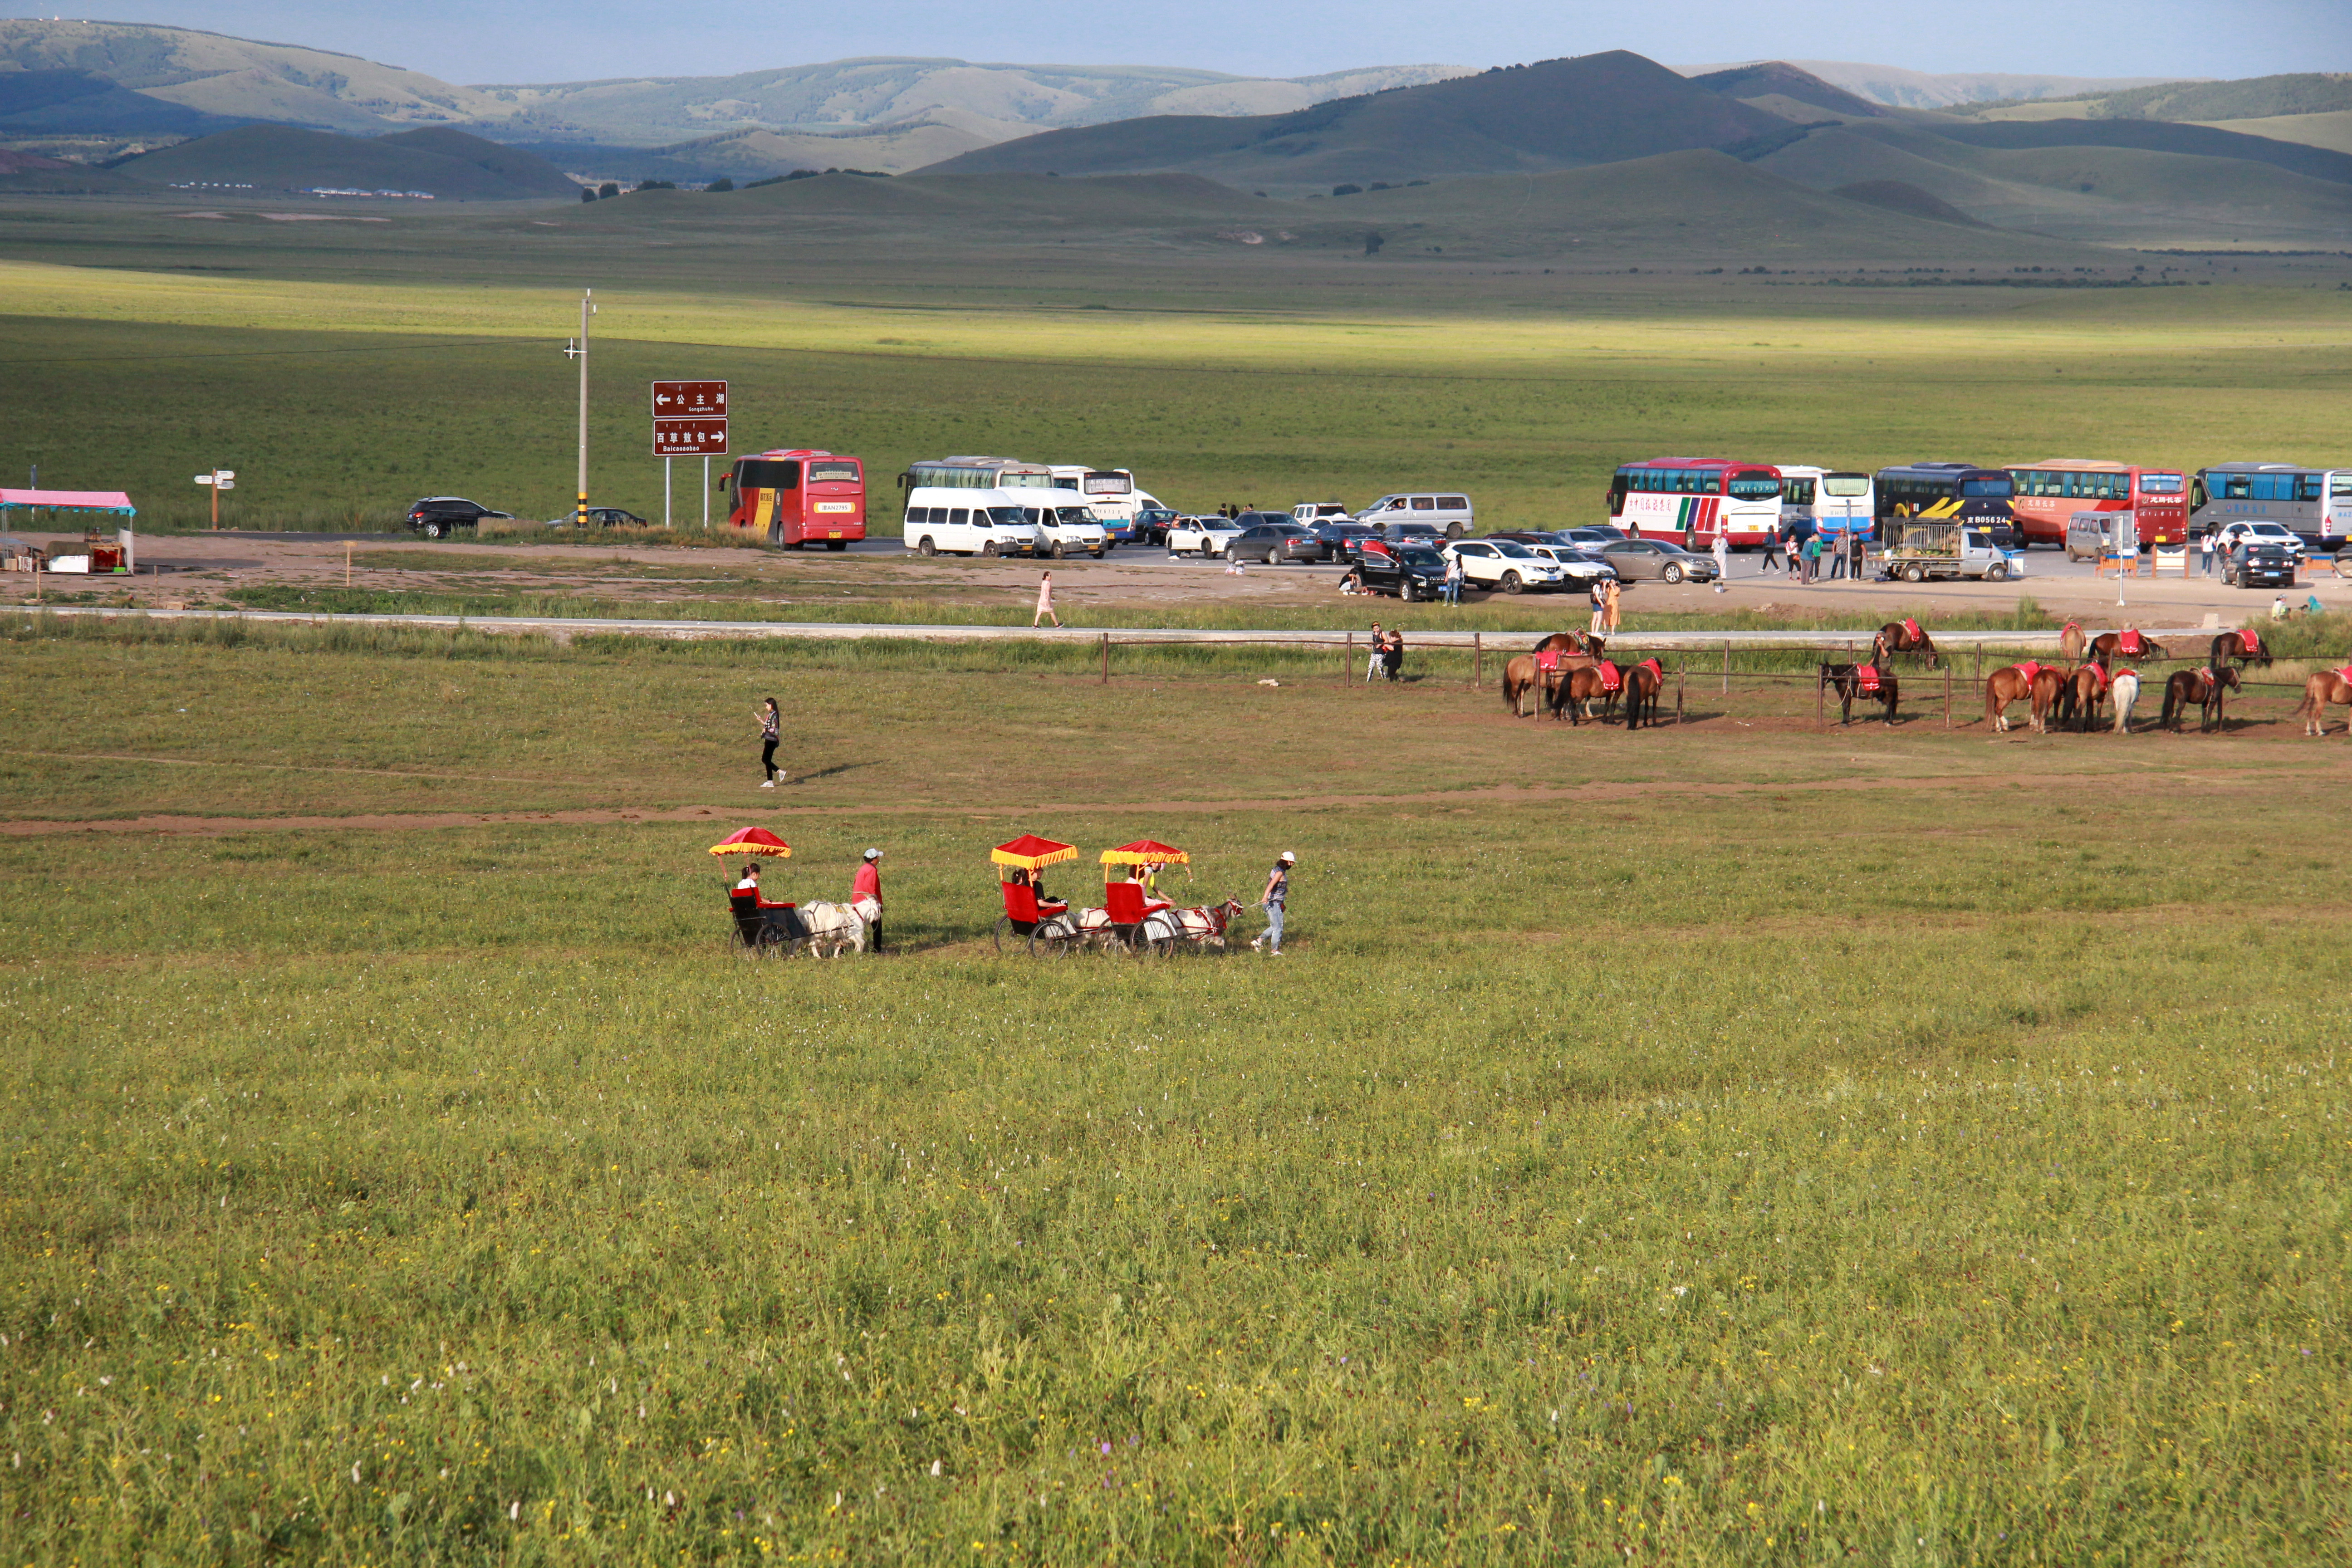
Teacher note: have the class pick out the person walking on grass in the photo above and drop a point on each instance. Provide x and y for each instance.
(1380, 648)
(1044, 601)
(866, 897)
(772, 730)
(1277, 894)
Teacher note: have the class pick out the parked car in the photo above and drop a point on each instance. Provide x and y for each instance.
(1311, 512)
(1275, 543)
(1427, 534)
(1506, 564)
(1592, 535)
(2264, 563)
(1582, 568)
(436, 517)
(1451, 515)
(2232, 534)
(1530, 536)
(603, 517)
(1636, 559)
(1148, 526)
(1202, 536)
(1409, 573)
(1344, 539)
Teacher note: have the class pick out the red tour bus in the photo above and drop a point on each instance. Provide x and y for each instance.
(1687, 501)
(2049, 493)
(798, 497)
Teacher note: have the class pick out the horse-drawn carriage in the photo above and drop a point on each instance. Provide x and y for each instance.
(763, 927)
(1132, 917)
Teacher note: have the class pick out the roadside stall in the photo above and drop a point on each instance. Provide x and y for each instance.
(762, 926)
(98, 552)
(1030, 916)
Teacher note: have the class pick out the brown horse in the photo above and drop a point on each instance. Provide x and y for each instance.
(2081, 692)
(1570, 642)
(2328, 687)
(2108, 646)
(1643, 682)
(1909, 637)
(2202, 686)
(2245, 648)
(2070, 643)
(1851, 684)
(2035, 682)
(1580, 687)
(1525, 673)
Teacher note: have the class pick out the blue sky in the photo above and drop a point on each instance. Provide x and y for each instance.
(552, 40)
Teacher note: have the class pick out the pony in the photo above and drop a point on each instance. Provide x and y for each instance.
(2029, 680)
(1866, 682)
(1644, 681)
(1570, 642)
(2070, 643)
(2081, 690)
(2108, 646)
(2246, 647)
(1580, 685)
(1526, 672)
(2202, 686)
(2126, 692)
(1908, 636)
(2328, 686)
(832, 927)
(1204, 926)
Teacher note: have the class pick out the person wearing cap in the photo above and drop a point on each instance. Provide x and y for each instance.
(1277, 892)
(865, 895)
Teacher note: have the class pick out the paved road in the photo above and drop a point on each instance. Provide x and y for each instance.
(566, 627)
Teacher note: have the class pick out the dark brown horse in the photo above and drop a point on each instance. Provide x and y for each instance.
(1909, 637)
(1851, 683)
(2036, 682)
(1580, 687)
(2320, 691)
(1643, 682)
(2108, 646)
(1572, 642)
(2202, 686)
(2243, 648)
(2080, 693)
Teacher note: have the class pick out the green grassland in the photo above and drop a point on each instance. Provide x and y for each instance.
(1779, 1149)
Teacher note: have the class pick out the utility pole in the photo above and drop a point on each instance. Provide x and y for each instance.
(578, 349)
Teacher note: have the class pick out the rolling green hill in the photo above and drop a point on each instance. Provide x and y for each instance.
(2156, 136)
(1779, 87)
(2252, 98)
(2332, 131)
(1565, 113)
(441, 160)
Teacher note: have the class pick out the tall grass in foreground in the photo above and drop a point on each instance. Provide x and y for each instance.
(1829, 1191)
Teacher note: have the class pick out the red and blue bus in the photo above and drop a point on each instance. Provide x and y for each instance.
(1689, 500)
(798, 497)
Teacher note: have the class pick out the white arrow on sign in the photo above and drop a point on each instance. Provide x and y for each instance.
(203, 478)
(224, 484)
(224, 473)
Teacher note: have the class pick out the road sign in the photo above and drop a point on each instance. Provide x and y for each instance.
(689, 400)
(689, 437)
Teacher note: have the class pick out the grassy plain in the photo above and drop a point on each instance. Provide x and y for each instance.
(1775, 1150)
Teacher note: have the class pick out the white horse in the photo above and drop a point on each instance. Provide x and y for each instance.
(832, 927)
(2126, 692)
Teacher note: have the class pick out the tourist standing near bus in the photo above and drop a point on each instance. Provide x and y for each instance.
(772, 730)
(1277, 895)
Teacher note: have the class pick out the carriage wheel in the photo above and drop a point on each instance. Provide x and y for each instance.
(1004, 928)
(1044, 942)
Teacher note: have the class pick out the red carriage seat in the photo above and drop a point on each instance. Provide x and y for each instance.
(1021, 903)
(1125, 904)
(752, 912)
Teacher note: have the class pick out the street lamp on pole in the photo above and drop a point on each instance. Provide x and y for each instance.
(578, 349)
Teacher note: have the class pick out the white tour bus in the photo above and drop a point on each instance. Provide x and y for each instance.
(1834, 500)
(1109, 493)
(2314, 504)
(976, 506)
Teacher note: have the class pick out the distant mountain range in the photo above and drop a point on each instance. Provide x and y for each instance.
(1895, 87)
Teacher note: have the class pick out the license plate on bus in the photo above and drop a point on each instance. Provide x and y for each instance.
(837, 506)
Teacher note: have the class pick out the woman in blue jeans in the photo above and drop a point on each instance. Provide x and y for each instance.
(1277, 892)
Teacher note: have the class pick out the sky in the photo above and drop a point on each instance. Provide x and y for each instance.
(469, 41)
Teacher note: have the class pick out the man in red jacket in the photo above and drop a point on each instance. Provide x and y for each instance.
(866, 897)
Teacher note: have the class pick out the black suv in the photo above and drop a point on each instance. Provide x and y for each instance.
(436, 517)
(2261, 566)
(1409, 573)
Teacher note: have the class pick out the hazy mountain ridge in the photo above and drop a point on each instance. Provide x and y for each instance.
(1896, 88)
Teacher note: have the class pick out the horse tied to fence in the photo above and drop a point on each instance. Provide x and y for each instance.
(1867, 682)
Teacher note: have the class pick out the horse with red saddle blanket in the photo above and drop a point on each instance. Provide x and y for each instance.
(1541, 673)
(2081, 694)
(2202, 686)
(2245, 649)
(1861, 682)
(2029, 680)
(1581, 683)
(1906, 635)
(2130, 643)
(1643, 683)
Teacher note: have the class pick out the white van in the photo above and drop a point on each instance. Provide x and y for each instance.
(1069, 530)
(1450, 514)
(2091, 534)
(975, 506)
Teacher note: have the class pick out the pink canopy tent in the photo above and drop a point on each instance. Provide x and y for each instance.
(68, 500)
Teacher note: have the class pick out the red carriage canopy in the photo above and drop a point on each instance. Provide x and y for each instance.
(751, 841)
